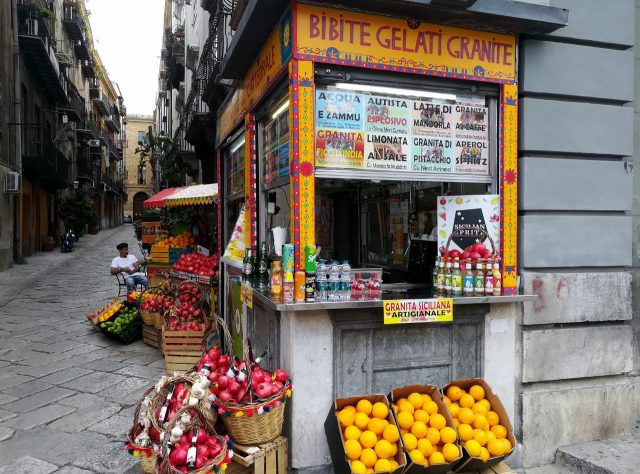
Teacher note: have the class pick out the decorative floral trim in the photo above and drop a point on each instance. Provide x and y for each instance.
(137, 451)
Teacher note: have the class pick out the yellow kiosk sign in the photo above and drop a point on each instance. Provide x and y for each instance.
(437, 310)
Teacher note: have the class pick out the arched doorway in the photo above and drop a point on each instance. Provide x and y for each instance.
(138, 209)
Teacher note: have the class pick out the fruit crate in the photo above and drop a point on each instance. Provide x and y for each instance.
(267, 458)
(152, 336)
(500, 468)
(182, 349)
(159, 254)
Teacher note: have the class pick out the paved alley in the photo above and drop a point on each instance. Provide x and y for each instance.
(66, 391)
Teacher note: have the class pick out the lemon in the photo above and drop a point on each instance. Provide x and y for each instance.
(425, 398)
(368, 457)
(352, 432)
(353, 449)
(454, 409)
(383, 449)
(406, 406)
(405, 420)
(393, 465)
(390, 433)
(499, 430)
(376, 425)
(490, 435)
(421, 415)
(368, 439)
(416, 400)
(346, 418)
(425, 447)
(480, 436)
(473, 448)
(380, 410)
(358, 468)
(450, 452)
(506, 443)
(430, 407)
(479, 408)
(495, 447)
(454, 393)
(477, 392)
(433, 435)
(364, 406)
(416, 456)
(467, 401)
(492, 418)
(382, 465)
(486, 403)
(484, 454)
(436, 458)
(481, 422)
(419, 429)
(437, 421)
(361, 420)
(410, 441)
(466, 415)
(350, 408)
(448, 435)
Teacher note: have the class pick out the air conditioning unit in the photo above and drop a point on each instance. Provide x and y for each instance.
(93, 143)
(12, 182)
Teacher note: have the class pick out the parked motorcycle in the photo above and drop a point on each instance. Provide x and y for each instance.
(67, 241)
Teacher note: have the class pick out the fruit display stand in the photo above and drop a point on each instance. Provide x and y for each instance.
(434, 395)
(267, 458)
(336, 438)
(152, 336)
(470, 463)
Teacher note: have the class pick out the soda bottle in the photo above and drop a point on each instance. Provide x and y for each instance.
(440, 283)
(434, 276)
(276, 281)
(468, 280)
(247, 266)
(456, 279)
(334, 281)
(345, 281)
(448, 288)
(497, 279)
(288, 289)
(321, 281)
(357, 288)
(479, 288)
(262, 267)
(489, 280)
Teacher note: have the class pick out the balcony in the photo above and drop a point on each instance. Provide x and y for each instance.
(76, 111)
(74, 24)
(88, 69)
(100, 100)
(215, 89)
(41, 160)
(175, 60)
(86, 130)
(39, 52)
(113, 122)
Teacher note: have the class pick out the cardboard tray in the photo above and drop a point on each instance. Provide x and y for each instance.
(432, 391)
(468, 463)
(335, 439)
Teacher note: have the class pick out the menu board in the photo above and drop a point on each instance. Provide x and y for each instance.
(375, 132)
(275, 148)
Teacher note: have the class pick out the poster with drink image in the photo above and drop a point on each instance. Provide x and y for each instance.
(472, 157)
(387, 152)
(387, 114)
(431, 119)
(471, 121)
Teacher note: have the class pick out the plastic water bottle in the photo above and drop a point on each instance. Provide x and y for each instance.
(321, 281)
(345, 281)
(334, 281)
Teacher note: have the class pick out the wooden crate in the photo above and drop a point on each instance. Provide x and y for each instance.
(182, 349)
(500, 468)
(152, 336)
(267, 458)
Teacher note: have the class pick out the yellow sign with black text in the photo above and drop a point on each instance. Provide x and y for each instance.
(438, 310)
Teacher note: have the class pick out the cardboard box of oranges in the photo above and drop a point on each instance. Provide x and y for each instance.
(427, 431)
(363, 436)
(483, 426)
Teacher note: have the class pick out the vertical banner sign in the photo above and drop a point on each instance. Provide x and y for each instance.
(509, 186)
(438, 310)
(250, 177)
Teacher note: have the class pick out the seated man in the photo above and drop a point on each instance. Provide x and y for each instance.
(129, 266)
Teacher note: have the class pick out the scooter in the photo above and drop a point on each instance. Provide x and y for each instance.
(67, 241)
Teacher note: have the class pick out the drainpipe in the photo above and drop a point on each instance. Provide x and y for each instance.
(17, 93)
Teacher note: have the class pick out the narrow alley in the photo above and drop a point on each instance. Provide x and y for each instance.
(66, 391)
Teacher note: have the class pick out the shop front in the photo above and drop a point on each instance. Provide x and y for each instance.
(389, 147)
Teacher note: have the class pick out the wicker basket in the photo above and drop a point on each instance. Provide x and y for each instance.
(147, 455)
(198, 419)
(161, 396)
(482, 235)
(157, 319)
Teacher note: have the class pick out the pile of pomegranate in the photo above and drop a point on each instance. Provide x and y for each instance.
(156, 303)
(194, 449)
(187, 313)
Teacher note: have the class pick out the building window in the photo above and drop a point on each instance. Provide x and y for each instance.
(142, 174)
(142, 137)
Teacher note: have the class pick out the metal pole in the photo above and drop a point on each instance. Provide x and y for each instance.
(17, 105)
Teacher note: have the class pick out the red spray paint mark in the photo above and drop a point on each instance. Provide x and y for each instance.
(536, 287)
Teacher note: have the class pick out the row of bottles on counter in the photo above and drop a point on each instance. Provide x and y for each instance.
(255, 267)
(462, 279)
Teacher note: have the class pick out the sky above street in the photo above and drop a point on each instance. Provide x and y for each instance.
(128, 37)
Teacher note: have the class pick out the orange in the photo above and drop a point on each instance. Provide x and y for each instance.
(479, 408)
(368, 439)
(486, 403)
(416, 400)
(465, 431)
(495, 447)
(419, 429)
(467, 401)
(380, 410)
(448, 435)
(350, 408)
(383, 449)
(436, 458)
(425, 447)
(425, 398)
(382, 465)
(433, 435)
(437, 421)
(484, 454)
(358, 468)
(473, 448)
(394, 450)
(490, 435)
(454, 409)
(393, 465)
(466, 415)
(430, 407)
(456, 422)
(410, 441)
(421, 415)
(376, 425)
(352, 432)
(406, 406)
(346, 418)
(390, 433)
(450, 452)
(454, 393)
(364, 406)
(506, 443)
(416, 456)
(499, 430)
(446, 400)
(353, 449)
(492, 418)
(481, 422)
(480, 436)
(477, 392)
(361, 420)
(405, 419)
(368, 457)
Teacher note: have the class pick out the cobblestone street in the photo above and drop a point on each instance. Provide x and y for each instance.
(66, 391)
